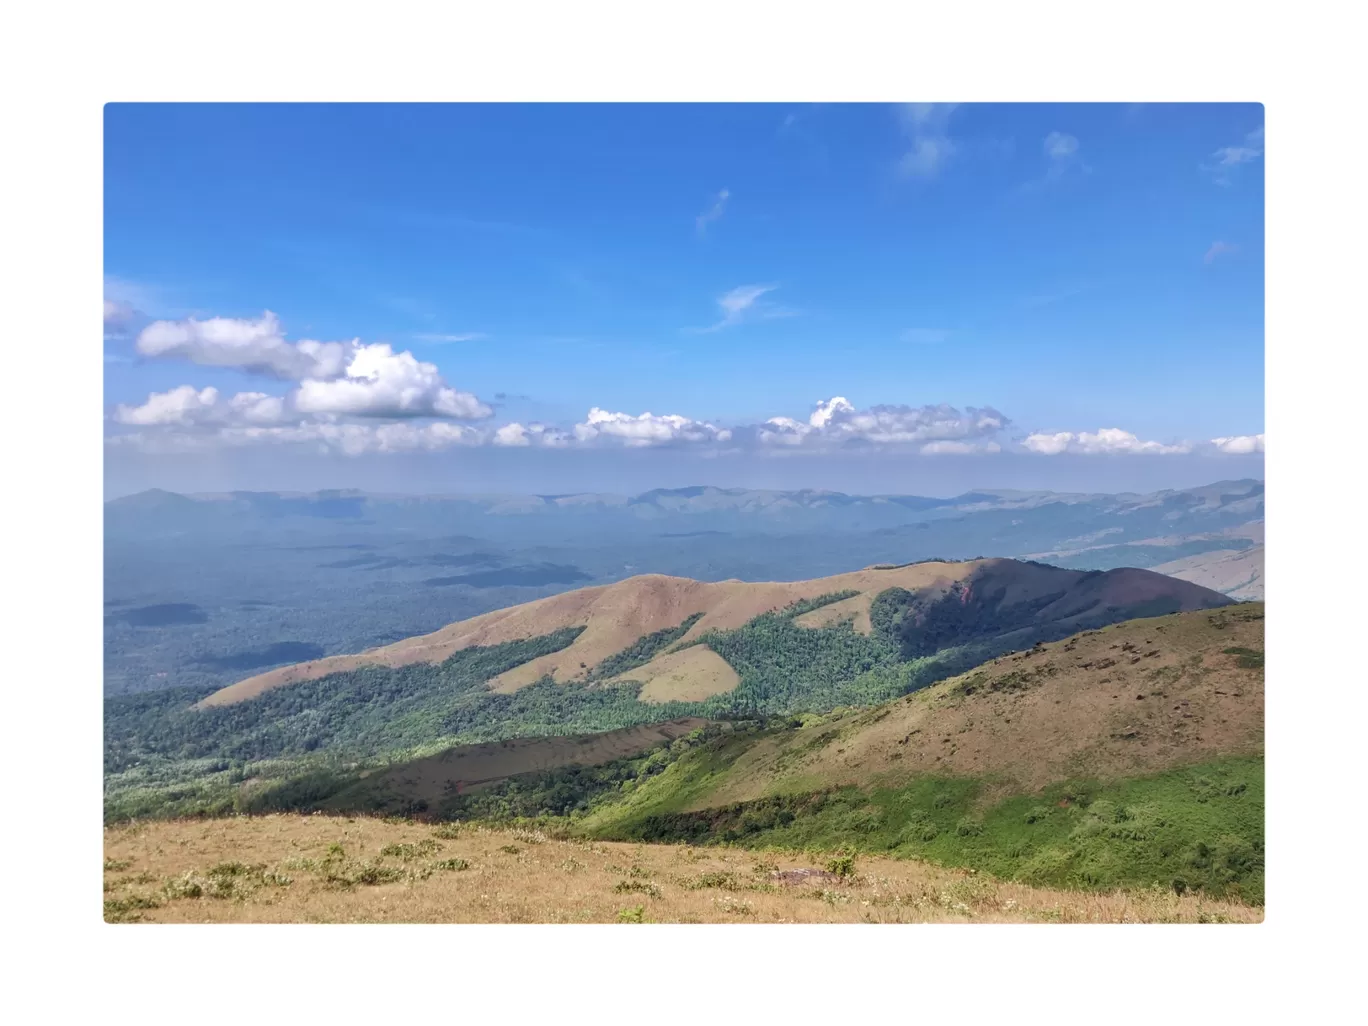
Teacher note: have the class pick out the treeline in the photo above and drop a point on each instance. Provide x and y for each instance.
(643, 651)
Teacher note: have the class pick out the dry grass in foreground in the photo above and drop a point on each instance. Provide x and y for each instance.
(318, 869)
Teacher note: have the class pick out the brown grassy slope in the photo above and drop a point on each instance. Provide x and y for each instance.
(689, 675)
(1132, 698)
(616, 615)
(184, 872)
(1239, 574)
(470, 768)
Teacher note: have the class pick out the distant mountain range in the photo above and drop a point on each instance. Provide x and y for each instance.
(1244, 497)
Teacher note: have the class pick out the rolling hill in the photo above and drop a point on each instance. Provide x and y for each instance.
(1237, 573)
(1130, 755)
(976, 600)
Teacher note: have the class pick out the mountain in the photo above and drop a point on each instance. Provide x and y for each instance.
(730, 508)
(936, 604)
(1126, 756)
(1129, 755)
(1232, 572)
(270, 573)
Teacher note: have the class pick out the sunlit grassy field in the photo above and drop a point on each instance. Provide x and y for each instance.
(322, 869)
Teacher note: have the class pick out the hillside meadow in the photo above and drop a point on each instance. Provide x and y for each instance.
(334, 869)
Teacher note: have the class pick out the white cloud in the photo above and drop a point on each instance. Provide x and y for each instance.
(117, 314)
(827, 410)
(927, 156)
(1219, 249)
(256, 345)
(646, 429)
(1048, 444)
(1239, 445)
(1060, 146)
(517, 435)
(959, 448)
(187, 406)
(350, 439)
(183, 405)
(1104, 441)
(1226, 160)
(379, 382)
(931, 147)
(713, 213)
(1064, 158)
(746, 303)
(469, 336)
(836, 422)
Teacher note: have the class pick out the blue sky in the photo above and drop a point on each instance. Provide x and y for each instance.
(1068, 268)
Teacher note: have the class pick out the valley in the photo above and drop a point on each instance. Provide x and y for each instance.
(1090, 737)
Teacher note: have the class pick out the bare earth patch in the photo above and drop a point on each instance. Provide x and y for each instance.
(320, 869)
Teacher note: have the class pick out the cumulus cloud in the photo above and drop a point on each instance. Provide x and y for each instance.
(837, 422)
(714, 212)
(646, 429)
(187, 406)
(517, 435)
(344, 389)
(255, 345)
(378, 382)
(1239, 445)
(183, 405)
(1102, 442)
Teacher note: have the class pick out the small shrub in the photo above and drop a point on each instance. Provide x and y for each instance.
(968, 828)
(510, 849)
(115, 865)
(1037, 814)
(448, 831)
(409, 852)
(636, 887)
(922, 830)
(636, 914)
(724, 881)
(456, 865)
(125, 910)
(842, 866)
(1247, 658)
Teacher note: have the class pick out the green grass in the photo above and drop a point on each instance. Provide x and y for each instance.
(1198, 828)
(1248, 658)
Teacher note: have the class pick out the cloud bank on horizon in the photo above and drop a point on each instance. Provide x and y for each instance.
(355, 398)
